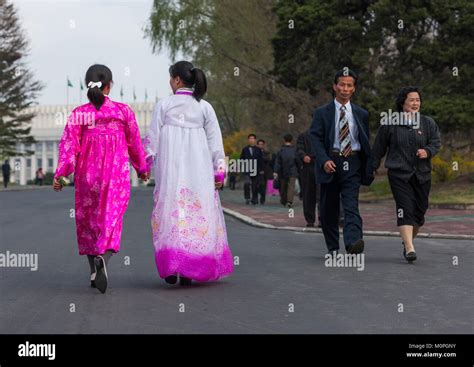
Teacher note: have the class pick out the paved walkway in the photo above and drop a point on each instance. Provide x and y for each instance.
(378, 216)
(281, 282)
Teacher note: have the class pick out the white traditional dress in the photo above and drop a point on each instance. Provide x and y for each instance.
(185, 143)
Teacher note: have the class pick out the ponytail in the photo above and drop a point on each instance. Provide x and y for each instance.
(200, 83)
(97, 78)
(192, 77)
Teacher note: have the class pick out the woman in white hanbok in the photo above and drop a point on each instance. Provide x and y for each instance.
(184, 143)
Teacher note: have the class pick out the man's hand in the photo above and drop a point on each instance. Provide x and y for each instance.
(422, 153)
(56, 185)
(330, 167)
(307, 159)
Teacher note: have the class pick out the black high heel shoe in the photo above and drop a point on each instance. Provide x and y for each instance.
(411, 256)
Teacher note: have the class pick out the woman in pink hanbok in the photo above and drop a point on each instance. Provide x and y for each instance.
(97, 142)
(185, 142)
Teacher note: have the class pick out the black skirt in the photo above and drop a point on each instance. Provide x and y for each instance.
(411, 199)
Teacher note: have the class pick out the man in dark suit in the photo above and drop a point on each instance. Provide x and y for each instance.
(6, 169)
(340, 137)
(309, 188)
(252, 154)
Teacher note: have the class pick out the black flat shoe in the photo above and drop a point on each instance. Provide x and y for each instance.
(101, 277)
(356, 248)
(172, 279)
(185, 281)
(93, 275)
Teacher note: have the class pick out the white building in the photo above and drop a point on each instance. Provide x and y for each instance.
(47, 127)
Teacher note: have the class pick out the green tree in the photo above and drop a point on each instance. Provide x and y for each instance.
(390, 44)
(231, 41)
(18, 89)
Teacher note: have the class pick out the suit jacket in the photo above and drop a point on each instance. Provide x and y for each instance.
(257, 154)
(322, 133)
(286, 162)
(304, 148)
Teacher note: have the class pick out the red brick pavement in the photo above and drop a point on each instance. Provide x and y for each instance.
(377, 216)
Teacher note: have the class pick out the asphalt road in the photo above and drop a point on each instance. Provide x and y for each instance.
(281, 284)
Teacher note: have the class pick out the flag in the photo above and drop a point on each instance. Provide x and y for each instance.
(121, 91)
(69, 84)
(134, 95)
(81, 85)
(146, 96)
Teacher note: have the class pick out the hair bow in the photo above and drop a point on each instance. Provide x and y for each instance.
(94, 84)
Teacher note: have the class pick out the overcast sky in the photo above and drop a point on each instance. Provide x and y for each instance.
(67, 36)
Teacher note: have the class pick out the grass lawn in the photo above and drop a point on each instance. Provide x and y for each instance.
(457, 191)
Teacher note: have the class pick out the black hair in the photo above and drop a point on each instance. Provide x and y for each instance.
(252, 135)
(192, 77)
(403, 94)
(97, 73)
(288, 138)
(345, 72)
(260, 140)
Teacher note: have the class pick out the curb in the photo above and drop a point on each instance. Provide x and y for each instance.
(430, 206)
(27, 188)
(250, 221)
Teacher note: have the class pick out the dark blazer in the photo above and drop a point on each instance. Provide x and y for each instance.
(322, 133)
(304, 148)
(6, 169)
(286, 162)
(402, 142)
(257, 154)
(268, 161)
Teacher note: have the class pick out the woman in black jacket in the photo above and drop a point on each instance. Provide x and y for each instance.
(412, 140)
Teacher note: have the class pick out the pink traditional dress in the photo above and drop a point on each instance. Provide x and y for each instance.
(189, 232)
(96, 147)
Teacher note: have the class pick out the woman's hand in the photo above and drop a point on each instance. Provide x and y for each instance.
(330, 167)
(218, 185)
(56, 185)
(145, 176)
(422, 154)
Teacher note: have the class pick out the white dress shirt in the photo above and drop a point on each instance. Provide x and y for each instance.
(353, 129)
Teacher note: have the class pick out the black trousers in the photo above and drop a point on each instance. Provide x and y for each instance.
(411, 199)
(262, 188)
(232, 179)
(310, 193)
(251, 185)
(343, 187)
(6, 180)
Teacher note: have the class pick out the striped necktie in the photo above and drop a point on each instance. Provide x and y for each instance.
(344, 138)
